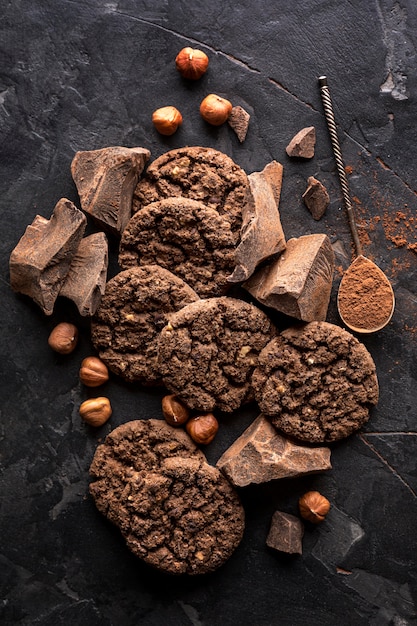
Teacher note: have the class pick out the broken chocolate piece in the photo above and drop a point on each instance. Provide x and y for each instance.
(299, 282)
(86, 279)
(286, 533)
(41, 260)
(302, 144)
(238, 120)
(262, 234)
(316, 198)
(261, 454)
(106, 180)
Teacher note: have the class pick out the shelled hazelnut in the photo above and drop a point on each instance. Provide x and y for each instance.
(93, 372)
(215, 110)
(166, 120)
(313, 507)
(191, 63)
(63, 338)
(202, 428)
(96, 411)
(174, 411)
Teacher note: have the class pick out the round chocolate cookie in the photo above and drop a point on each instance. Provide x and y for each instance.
(198, 173)
(208, 351)
(175, 511)
(186, 237)
(132, 311)
(316, 382)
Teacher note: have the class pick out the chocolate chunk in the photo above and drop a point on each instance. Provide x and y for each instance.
(286, 533)
(86, 280)
(299, 282)
(262, 234)
(239, 121)
(106, 180)
(302, 144)
(41, 260)
(316, 198)
(261, 454)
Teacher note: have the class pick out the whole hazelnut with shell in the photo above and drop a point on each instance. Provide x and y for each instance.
(93, 372)
(202, 428)
(63, 338)
(313, 506)
(166, 120)
(191, 63)
(215, 110)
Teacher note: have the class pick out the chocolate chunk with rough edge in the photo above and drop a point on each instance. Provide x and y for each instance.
(86, 280)
(261, 454)
(262, 234)
(316, 197)
(299, 282)
(302, 144)
(286, 533)
(41, 260)
(238, 120)
(105, 180)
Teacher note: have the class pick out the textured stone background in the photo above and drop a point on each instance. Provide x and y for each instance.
(84, 75)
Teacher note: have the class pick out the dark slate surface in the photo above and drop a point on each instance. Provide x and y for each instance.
(84, 75)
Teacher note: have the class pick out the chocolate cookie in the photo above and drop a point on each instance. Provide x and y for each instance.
(186, 237)
(316, 382)
(209, 349)
(201, 174)
(132, 311)
(175, 511)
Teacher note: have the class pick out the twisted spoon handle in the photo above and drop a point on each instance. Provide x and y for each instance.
(331, 125)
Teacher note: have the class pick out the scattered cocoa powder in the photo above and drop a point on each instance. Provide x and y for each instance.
(365, 298)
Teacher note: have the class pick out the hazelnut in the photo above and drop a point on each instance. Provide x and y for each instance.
(174, 411)
(313, 506)
(202, 428)
(215, 110)
(63, 338)
(191, 63)
(166, 120)
(96, 411)
(93, 372)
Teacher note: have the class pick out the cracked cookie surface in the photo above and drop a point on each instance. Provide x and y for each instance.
(316, 382)
(131, 314)
(209, 349)
(199, 173)
(174, 510)
(186, 237)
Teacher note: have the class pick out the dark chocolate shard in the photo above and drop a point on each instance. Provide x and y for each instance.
(86, 280)
(261, 454)
(239, 121)
(302, 144)
(262, 233)
(106, 180)
(298, 283)
(316, 198)
(41, 260)
(286, 533)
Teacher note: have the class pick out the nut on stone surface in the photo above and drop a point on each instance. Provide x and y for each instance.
(166, 120)
(96, 411)
(215, 110)
(64, 337)
(202, 428)
(174, 411)
(313, 506)
(93, 372)
(191, 63)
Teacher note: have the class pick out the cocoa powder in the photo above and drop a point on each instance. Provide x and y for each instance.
(365, 299)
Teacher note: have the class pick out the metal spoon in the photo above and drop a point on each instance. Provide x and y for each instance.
(364, 290)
